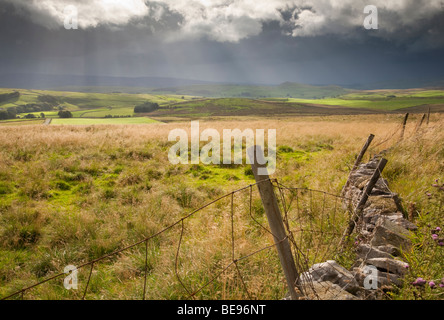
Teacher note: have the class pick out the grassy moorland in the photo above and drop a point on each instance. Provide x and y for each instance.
(70, 194)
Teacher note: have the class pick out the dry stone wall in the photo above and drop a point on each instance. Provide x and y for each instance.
(383, 233)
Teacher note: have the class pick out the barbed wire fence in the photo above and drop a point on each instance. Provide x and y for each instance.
(309, 226)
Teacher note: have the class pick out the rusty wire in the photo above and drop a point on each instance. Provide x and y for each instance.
(301, 257)
(306, 254)
(306, 212)
(146, 240)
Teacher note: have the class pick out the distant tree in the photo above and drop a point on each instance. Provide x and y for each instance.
(65, 114)
(52, 101)
(146, 107)
(9, 113)
(8, 96)
(42, 115)
(30, 116)
(4, 115)
(12, 113)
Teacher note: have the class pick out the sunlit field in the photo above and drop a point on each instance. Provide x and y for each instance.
(71, 194)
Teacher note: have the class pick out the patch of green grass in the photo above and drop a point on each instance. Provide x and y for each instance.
(387, 101)
(21, 122)
(6, 188)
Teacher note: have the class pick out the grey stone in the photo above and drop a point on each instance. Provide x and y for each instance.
(372, 165)
(363, 171)
(333, 272)
(380, 186)
(365, 251)
(391, 250)
(369, 227)
(372, 217)
(326, 290)
(399, 220)
(382, 204)
(383, 278)
(392, 216)
(389, 265)
(388, 232)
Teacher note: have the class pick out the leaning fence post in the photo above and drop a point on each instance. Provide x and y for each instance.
(421, 122)
(404, 123)
(365, 194)
(274, 217)
(358, 160)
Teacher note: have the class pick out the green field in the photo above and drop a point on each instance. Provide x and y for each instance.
(82, 104)
(20, 122)
(385, 100)
(384, 105)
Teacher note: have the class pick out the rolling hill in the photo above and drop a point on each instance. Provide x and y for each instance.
(287, 89)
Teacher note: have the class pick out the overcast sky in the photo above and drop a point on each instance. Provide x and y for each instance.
(259, 41)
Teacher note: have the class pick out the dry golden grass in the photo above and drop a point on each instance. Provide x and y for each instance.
(74, 193)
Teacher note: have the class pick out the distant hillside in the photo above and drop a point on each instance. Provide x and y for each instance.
(408, 83)
(287, 89)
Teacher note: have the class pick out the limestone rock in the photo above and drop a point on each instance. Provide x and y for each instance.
(391, 250)
(380, 187)
(389, 265)
(399, 220)
(388, 232)
(365, 251)
(373, 216)
(383, 278)
(333, 272)
(382, 204)
(326, 290)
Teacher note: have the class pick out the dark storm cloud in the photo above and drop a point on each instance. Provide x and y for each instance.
(317, 41)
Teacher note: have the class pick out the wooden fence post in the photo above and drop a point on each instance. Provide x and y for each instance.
(421, 122)
(274, 217)
(358, 160)
(365, 194)
(404, 123)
